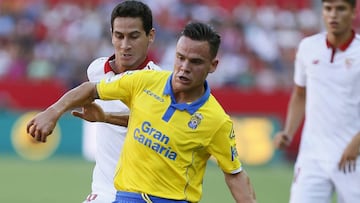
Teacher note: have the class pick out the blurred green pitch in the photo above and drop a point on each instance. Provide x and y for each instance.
(67, 179)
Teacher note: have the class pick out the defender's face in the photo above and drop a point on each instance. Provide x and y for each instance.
(338, 16)
(130, 42)
(193, 63)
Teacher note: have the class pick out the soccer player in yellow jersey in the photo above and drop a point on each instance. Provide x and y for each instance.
(175, 125)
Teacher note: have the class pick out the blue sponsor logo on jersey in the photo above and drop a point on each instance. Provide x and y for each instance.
(152, 94)
(234, 153)
(155, 140)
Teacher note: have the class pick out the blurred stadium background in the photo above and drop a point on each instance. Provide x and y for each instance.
(46, 46)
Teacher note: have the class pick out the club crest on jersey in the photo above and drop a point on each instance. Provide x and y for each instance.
(195, 120)
(349, 63)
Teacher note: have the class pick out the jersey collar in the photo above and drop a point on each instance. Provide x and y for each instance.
(343, 46)
(191, 108)
(107, 66)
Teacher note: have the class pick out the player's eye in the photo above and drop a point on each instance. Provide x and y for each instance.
(119, 36)
(180, 57)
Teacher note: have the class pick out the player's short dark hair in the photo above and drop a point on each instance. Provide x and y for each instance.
(133, 9)
(203, 32)
(351, 2)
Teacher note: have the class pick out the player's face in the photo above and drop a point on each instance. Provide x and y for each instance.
(338, 16)
(130, 42)
(193, 62)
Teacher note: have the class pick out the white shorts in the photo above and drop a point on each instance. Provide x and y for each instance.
(315, 182)
(99, 198)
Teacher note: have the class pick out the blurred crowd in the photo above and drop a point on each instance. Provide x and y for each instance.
(56, 40)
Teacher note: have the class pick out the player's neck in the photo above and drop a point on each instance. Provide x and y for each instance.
(188, 96)
(118, 68)
(336, 40)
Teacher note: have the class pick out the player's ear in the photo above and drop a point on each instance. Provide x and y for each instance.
(111, 35)
(151, 35)
(111, 31)
(213, 65)
(353, 14)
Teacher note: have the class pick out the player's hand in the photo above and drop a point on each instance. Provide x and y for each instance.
(42, 125)
(281, 140)
(90, 112)
(348, 159)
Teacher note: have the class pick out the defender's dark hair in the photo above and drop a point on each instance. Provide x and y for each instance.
(351, 2)
(133, 9)
(202, 32)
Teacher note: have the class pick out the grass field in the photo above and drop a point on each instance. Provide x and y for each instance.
(60, 180)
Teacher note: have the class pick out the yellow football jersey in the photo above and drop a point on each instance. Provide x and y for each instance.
(168, 144)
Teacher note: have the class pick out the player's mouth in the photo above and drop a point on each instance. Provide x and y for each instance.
(183, 79)
(333, 24)
(126, 56)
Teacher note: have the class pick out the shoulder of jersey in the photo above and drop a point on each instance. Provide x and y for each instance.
(357, 36)
(313, 41)
(95, 70)
(215, 105)
(152, 66)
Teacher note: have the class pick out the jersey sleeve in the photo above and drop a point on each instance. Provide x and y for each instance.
(119, 87)
(95, 71)
(223, 148)
(300, 71)
(152, 66)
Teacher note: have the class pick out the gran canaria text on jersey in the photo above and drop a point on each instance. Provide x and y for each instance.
(157, 140)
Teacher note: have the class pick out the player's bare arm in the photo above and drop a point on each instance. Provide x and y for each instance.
(117, 119)
(295, 115)
(351, 153)
(43, 123)
(240, 187)
(94, 113)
